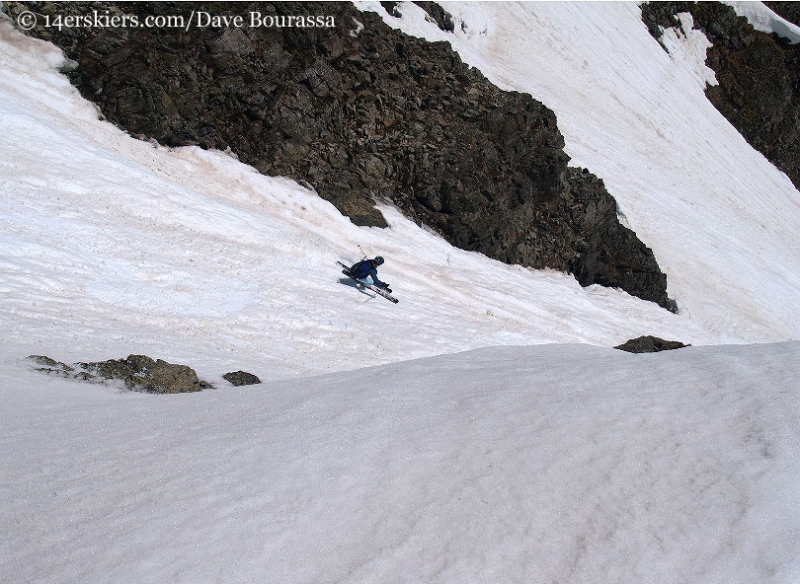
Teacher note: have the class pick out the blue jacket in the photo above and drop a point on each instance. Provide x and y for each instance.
(366, 268)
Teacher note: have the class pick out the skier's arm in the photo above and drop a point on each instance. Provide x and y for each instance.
(374, 273)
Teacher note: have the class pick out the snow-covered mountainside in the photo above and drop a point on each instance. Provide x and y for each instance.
(489, 442)
(714, 211)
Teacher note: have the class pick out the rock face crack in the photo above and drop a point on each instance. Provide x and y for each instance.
(362, 113)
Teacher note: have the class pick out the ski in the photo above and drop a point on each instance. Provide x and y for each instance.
(378, 291)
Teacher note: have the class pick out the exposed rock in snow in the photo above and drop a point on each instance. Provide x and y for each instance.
(649, 344)
(137, 372)
(239, 378)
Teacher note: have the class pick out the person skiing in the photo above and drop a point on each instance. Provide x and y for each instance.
(366, 272)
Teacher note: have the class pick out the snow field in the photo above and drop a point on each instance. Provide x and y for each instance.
(550, 463)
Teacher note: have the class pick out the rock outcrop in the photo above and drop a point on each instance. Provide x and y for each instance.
(239, 378)
(362, 113)
(137, 372)
(649, 344)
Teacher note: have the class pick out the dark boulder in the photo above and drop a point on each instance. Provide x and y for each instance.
(649, 344)
(442, 18)
(605, 252)
(239, 378)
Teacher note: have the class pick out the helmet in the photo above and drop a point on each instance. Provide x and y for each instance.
(378, 260)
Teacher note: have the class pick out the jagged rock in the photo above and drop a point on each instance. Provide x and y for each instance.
(649, 344)
(362, 113)
(239, 378)
(758, 76)
(443, 19)
(141, 373)
(137, 372)
(391, 9)
(49, 365)
(232, 40)
(606, 252)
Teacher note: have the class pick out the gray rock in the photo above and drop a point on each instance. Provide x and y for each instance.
(137, 372)
(232, 40)
(141, 373)
(239, 378)
(48, 365)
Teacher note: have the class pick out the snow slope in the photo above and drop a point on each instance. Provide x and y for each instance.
(510, 462)
(556, 463)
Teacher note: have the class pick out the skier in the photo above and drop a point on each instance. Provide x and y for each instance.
(365, 272)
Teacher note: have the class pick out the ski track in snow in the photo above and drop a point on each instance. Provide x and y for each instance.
(548, 463)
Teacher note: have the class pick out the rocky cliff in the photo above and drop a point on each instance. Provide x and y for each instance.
(362, 113)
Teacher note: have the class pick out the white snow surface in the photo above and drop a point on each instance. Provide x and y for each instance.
(549, 463)
(469, 433)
